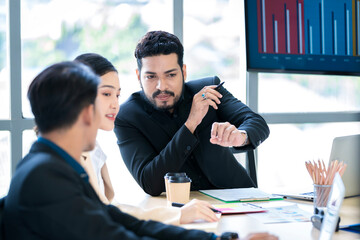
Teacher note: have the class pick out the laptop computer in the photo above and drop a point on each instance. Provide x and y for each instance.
(346, 149)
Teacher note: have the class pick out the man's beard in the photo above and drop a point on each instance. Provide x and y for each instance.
(163, 105)
(164, 108)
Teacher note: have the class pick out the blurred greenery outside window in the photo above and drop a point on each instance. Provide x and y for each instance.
(4, 73)
(4, 103)
(111, 28)
(214, 42)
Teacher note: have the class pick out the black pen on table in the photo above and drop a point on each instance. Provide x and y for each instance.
(175, 204)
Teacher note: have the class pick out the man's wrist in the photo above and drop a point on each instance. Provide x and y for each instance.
(243, 132)
(190, 126)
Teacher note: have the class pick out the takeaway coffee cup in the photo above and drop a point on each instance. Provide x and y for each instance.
(178, 189)
(166, 180)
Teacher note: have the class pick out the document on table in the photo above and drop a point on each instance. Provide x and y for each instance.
(240, 195)
(283, 214)
(238, 208)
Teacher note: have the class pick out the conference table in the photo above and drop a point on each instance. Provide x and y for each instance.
(245, 223)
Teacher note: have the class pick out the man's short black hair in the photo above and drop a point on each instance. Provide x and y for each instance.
(60, 92)
(155, 43)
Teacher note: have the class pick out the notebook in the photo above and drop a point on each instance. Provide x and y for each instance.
(238, 207)
(347, 149)
(240, 194)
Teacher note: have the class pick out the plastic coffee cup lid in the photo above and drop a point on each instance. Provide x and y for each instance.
(175, 179)
(176, 174)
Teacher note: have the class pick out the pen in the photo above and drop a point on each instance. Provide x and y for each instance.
(175, 204)
(254, 205)
(219, 85)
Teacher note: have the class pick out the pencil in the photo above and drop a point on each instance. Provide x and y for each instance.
(322, 175)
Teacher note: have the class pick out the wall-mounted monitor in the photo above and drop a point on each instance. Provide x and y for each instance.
(304, 36)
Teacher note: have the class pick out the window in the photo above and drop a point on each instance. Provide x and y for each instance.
(4, 73)
(110, 28)
(4, 162)
(282, 156)
(308, 93)
(308, 133)
(214, 42)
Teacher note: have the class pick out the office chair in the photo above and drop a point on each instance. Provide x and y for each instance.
(2, 205)
(250, 162)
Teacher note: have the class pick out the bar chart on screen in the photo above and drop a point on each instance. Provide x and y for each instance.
(309, 27)
(303, 36)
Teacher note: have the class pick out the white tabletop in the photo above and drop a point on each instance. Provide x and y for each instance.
(244, 223)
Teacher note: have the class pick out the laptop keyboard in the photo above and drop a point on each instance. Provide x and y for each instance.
(308, 194)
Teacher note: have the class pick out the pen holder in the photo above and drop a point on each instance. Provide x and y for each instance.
(321, 196)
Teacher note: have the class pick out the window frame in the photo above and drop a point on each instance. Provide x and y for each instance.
(16, 124)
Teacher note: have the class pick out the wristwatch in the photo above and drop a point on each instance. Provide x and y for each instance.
(229, 236)
(246, 137)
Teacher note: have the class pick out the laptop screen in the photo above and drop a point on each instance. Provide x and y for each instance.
(346, 149)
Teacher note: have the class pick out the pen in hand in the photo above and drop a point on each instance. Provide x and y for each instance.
(175, 204)
(218, 86)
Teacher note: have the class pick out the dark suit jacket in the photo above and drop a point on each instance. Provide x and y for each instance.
(2, 203)
(153, 142)
(49, 200)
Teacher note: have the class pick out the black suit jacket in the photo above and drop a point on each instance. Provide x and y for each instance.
(154, 142)
(49, 200)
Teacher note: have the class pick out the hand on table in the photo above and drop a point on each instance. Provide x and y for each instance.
(195, 210)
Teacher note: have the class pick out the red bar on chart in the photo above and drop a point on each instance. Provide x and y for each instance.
(281, 26)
